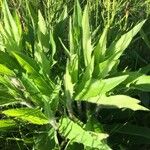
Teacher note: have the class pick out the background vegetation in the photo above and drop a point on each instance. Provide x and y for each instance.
(74, 74)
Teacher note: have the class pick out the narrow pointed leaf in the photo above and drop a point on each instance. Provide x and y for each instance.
(27, 63)
(100, 49)
(6, 71)
(5, 101)
(86, 39)
(9, 22)
(124, 41)
(41, 23)
(142, 83)
(32, 68)
(71, 38)
(77, 16)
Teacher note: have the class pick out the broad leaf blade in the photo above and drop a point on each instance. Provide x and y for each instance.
(34, 116)
(76, 133)
(117, 101)
(95, 87)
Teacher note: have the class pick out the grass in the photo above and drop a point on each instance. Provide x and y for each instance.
(74, 74)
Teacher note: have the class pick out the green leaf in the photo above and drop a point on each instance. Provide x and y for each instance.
(65, 48)
(105, 67)
(73, 68)
(100, 48)
(95, 87)
(71, 38)
(27, 63)
(34, 116)
(41, 23)
(77, 29)
(132, 76)
(6, 71)
(87, 75)
(77, 16)
(44, 84)
(53, 46)
(94, 125)
(120, 45)
(137, 80)
(51, 104)
(54, 97)
(68, 84)
(88, 71)
(6, 124)
(68, 89)
(4, 101)
(75, 133)
(9, 61)
(32, 89)
(41, 58)
(74, 146)
(115, 50)
(10, 85)
(86, 37)
(63, 15)
(18, 22)
(10, 24)
(45, 140)
(141, 83)
(117, 101)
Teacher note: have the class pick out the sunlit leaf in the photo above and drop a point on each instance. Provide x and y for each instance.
(120, 45)
(117, 101)
(27, 63)
(141, 83)
(116, 49)
(86, 39)
(75, 133)
(34, 116)
(100, 49)
(41, 23)
(95, 87)
(6, 71)
(6, 124)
